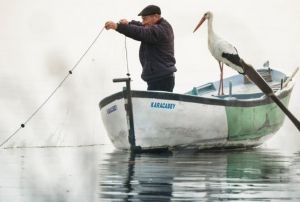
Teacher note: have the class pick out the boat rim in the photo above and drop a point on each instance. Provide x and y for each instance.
(226, 101)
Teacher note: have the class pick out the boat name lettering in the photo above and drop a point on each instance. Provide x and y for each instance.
(112, 109)
(163, 105)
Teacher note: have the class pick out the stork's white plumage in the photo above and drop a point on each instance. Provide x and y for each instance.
(221, 50)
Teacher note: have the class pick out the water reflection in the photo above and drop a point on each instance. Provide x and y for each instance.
(87, 174)
(128, 176)
(251, 175)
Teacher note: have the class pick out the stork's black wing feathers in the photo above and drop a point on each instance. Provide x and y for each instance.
(234, 58)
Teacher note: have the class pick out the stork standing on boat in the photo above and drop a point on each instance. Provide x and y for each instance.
(222, 51)
(226, 53)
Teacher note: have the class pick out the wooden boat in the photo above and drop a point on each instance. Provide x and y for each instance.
(243, 117)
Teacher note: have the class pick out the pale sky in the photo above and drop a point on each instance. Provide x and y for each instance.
(42, 40)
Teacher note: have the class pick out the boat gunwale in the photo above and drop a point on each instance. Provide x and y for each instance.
(231, 101)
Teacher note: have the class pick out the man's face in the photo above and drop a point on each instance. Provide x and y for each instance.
(149, 20)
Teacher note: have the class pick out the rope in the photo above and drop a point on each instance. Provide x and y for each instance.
(128, 73)
(54, 91)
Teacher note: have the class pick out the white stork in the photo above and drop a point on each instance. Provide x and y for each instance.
(222, 51)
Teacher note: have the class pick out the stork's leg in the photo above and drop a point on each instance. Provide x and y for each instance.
(221, 86)
(222, 82)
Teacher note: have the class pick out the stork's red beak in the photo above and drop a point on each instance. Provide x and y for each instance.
(200, 23)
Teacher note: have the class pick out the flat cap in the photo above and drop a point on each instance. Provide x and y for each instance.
(150, 10)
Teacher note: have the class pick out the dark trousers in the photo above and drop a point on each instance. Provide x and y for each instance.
(164, 84)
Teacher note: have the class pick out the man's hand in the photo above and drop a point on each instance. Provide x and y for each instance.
(110, 25)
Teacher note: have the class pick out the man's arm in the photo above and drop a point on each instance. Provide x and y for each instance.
(137, 23)
(112, 25)
(149, 34)
(135, 30)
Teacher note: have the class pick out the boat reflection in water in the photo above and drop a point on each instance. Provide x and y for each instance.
(207, 176)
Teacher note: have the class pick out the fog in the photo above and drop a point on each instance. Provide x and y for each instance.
(42, 40)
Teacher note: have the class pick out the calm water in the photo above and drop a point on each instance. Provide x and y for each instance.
(99, 173)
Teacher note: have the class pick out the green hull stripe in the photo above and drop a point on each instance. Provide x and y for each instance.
(254, 122)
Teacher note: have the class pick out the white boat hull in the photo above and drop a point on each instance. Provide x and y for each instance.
(167, 120)
(166, 127)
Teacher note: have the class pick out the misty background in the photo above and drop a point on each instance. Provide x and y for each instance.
(42, 40)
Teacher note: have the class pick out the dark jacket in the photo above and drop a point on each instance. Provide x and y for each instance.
(156, 50)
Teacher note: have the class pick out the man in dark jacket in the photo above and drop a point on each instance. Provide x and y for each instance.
(156, 49)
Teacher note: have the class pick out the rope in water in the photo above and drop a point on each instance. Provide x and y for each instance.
(54, 91)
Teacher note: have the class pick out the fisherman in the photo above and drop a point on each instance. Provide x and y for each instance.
(156, 49)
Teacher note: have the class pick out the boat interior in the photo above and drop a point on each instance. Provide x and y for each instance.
(240, 87)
